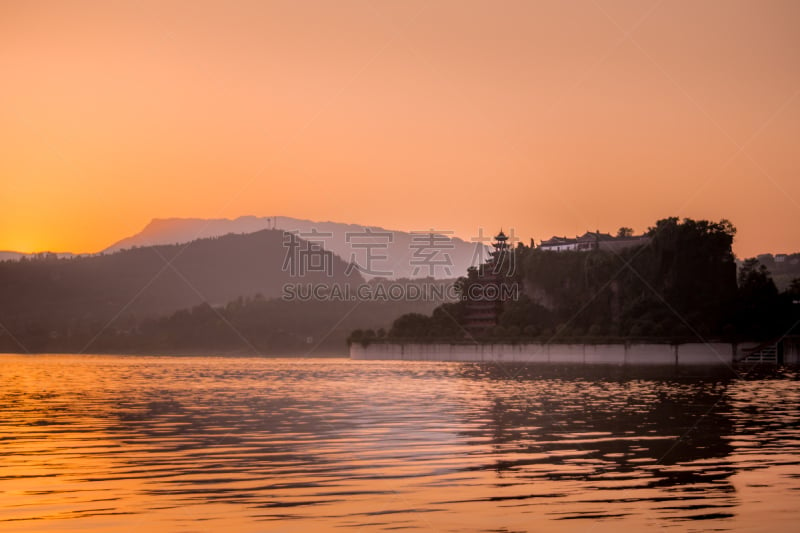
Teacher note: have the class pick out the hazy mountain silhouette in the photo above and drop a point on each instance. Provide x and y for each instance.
(212, 295)
(399, 253)
(151, 281)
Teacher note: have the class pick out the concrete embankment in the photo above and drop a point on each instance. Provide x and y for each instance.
(689, 354)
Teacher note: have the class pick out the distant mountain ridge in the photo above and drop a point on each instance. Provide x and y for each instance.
(153, 280)
(404, 256)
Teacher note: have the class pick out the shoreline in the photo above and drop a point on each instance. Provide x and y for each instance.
(611, 354)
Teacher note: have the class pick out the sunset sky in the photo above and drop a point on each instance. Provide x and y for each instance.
(549, 117)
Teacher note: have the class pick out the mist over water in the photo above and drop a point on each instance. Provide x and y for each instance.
(120, 443)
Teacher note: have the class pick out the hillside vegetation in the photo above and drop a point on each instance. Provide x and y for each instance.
(682, 285)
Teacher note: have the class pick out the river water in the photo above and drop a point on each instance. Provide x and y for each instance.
(124, 443)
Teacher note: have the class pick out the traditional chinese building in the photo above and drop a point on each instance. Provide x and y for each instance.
(486, 288)
(592, 240)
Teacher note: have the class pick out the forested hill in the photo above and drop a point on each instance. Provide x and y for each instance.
(683, 285)
(148, 281)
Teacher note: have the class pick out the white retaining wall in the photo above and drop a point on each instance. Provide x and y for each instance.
(593, 354)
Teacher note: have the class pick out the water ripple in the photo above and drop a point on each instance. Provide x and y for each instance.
(112, 443)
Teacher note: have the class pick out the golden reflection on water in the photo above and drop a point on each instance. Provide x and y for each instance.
(118, 443)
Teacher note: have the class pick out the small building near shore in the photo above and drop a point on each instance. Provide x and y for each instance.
(592, 240)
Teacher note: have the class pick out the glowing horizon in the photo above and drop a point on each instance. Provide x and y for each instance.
(410, 116)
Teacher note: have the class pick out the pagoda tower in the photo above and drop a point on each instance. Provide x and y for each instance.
(484, 295)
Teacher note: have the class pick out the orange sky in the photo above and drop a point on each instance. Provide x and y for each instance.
(551, 117)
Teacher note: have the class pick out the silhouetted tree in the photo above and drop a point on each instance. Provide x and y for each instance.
(758, 304)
